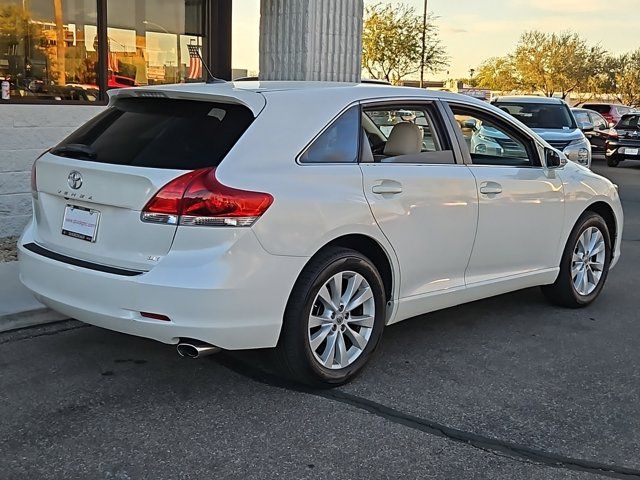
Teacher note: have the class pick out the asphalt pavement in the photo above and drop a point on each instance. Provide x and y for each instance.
(504, 388)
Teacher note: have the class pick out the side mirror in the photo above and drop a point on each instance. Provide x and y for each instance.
(471, 123)
(552, 158)
(586, 126)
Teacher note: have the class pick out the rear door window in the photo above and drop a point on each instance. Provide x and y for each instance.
(405, 133)
(159, 133)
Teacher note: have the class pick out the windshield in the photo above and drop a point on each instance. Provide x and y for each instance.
(540, 115)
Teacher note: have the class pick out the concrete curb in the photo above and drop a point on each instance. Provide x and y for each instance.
(29, 318)
(18, 307)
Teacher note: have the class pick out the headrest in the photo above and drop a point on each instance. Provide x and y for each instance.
(405, 139)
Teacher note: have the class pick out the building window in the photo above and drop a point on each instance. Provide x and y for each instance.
(49, 49)
(154, 41)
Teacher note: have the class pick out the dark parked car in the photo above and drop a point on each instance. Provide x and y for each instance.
(610, 111)
(594, 126)
(624, 140)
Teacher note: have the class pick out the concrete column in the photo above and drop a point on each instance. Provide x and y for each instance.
(311, 40)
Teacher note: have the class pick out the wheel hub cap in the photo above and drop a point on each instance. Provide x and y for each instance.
(341, 320)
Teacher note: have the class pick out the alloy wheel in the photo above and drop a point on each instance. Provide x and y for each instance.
(341, 320)
(587, 263)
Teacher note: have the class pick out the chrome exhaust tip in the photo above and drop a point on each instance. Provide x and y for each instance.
(195, 349)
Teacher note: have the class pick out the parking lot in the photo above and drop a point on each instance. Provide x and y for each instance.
(505, 388)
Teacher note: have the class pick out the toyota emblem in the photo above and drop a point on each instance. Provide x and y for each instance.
(74, 180)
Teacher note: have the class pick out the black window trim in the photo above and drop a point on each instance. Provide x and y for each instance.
(327, 127)
(530, 144)
(439, 115)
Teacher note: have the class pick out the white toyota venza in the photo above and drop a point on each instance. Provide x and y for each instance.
(305, 217)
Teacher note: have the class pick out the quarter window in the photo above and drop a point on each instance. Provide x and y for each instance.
(338, 143)
(491, 142)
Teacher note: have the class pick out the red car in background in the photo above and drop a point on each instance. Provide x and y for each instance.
(120, 81)
(610, 111)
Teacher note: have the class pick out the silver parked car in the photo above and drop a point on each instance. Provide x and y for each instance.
(551, 118)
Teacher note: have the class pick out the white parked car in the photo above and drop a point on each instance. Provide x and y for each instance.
(257, 215)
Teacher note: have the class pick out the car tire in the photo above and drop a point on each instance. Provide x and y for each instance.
(612, 161)
(312, 326)
(582, 262)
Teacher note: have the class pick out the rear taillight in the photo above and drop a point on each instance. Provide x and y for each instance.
(198, 198)
(166, 205)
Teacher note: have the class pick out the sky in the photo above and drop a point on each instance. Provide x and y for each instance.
(474, 30)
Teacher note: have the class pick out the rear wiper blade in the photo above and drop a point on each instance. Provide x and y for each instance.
(72, 149)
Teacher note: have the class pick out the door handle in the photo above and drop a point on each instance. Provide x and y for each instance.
(490, 188)
(387, 186)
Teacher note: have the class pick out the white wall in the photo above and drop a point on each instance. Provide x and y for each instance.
(25, 132)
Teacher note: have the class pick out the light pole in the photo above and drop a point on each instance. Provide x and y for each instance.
(424, 43)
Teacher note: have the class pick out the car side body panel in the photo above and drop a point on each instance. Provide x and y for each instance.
(584, 188)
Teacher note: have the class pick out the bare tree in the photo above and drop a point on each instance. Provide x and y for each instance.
(392, 45)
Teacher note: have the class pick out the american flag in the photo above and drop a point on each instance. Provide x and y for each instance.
(195, 62)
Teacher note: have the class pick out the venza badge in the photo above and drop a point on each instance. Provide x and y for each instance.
(74, 180)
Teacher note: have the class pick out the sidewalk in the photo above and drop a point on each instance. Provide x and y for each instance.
(18, 308)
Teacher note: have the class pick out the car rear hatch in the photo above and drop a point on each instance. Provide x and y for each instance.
(92, 187)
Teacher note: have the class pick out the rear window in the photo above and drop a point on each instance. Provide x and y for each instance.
(629, 121)
(159, 133)
(600, 108)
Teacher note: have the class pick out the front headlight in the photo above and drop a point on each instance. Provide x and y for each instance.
(579, 151)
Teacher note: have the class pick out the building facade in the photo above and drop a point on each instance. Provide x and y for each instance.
(58, 59)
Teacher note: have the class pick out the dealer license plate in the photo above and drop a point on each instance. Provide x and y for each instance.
(80, 222)
(631, 151)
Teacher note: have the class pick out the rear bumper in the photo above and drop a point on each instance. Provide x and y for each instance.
(618, 149)
(232, 295)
